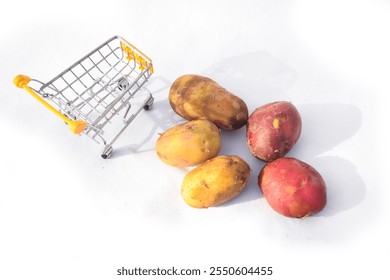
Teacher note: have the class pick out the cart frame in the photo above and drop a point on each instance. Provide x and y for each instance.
(95, 89)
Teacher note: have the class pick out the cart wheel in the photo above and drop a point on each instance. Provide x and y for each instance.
(107, 151)
(149, 104)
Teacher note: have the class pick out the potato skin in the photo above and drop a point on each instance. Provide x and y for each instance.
(197, 97)
(189, 143)
(273, 129)
(292, 187)
(215, 181)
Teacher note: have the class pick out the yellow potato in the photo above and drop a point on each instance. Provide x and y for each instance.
(215, 181)
(197, 97)
(189, 143)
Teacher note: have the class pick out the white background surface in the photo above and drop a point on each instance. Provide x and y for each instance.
(65, 213)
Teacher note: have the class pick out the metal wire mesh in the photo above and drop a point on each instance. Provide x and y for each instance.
(99, 86)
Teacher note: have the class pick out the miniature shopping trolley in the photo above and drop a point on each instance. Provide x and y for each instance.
(95, 90)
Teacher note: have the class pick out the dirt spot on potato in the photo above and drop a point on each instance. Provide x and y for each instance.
(230, 162)
(203, 183)
(196, 81)
(236, 105)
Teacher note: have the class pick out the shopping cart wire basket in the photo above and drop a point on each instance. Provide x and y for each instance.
(99, 87)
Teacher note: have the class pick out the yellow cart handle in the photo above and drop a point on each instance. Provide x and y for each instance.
(76, 126)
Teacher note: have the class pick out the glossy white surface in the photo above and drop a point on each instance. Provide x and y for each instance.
(65, 213)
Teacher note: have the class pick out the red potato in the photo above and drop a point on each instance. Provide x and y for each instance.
(292, 187)
(273, 129)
